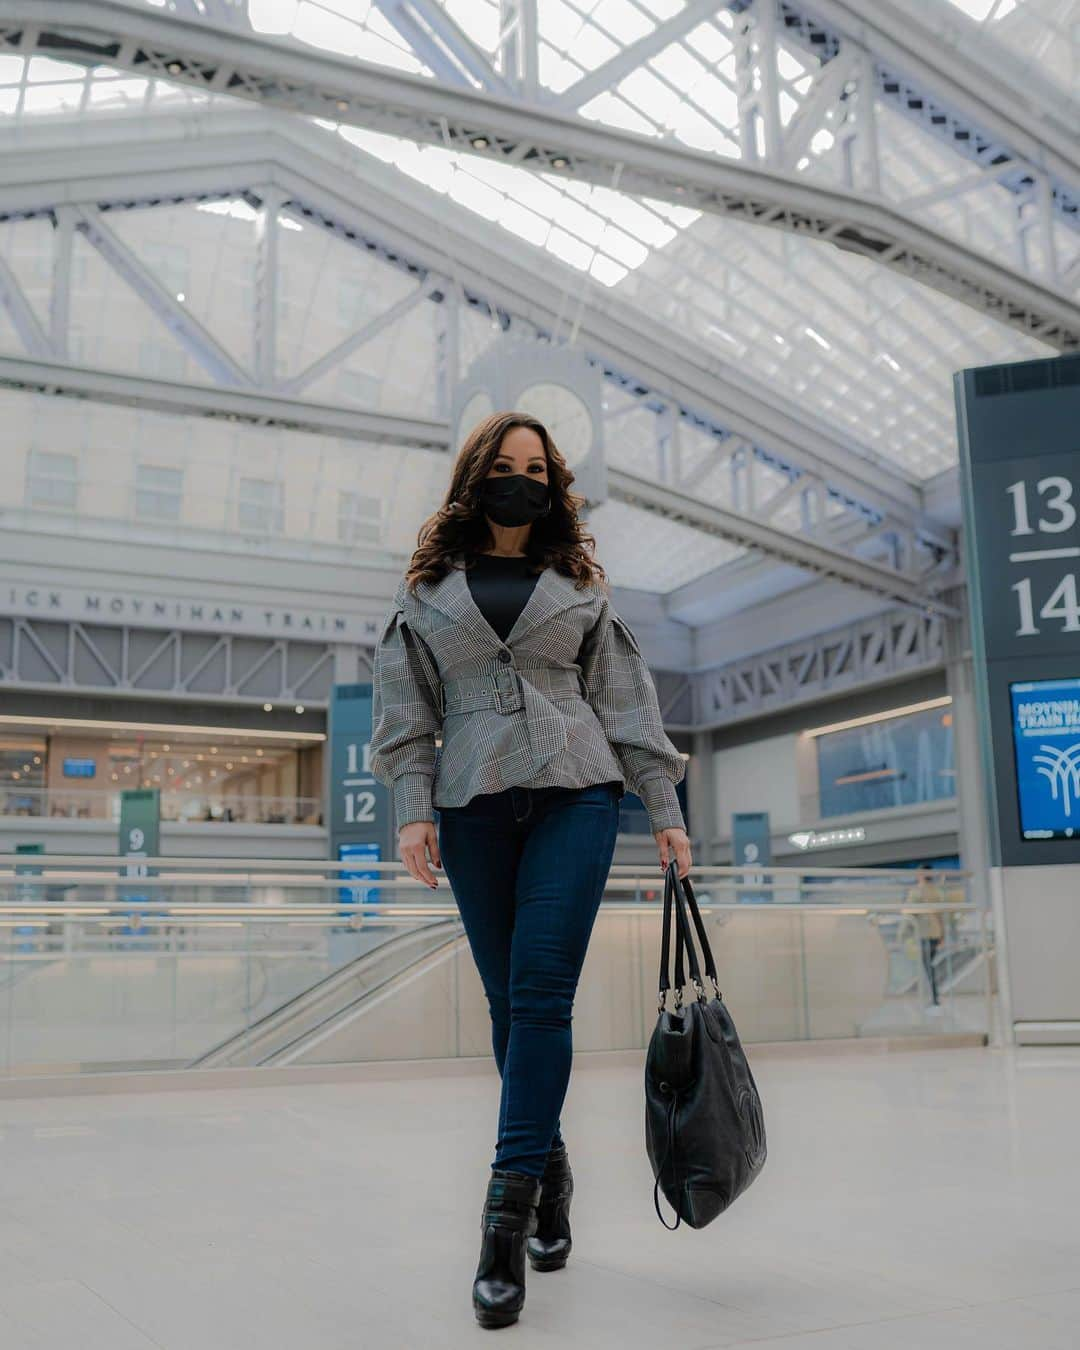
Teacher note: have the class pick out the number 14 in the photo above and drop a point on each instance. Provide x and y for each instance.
(1063, 604)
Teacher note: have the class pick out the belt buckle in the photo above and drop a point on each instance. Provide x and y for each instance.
(514, 693)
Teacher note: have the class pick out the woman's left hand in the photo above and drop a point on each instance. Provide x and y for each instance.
(678, 842)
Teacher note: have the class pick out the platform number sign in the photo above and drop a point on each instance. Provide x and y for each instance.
(358, 800)
(1019, 428)
(1027, 550)
(1043, 518)
(360, 807)
(140, 828)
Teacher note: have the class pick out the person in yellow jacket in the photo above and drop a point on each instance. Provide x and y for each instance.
(931, 927)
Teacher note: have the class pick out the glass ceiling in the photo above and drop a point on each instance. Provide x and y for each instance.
(863, 349)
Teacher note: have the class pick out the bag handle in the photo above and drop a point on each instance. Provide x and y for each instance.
(699, 925)
(674, 898)
(679, 894)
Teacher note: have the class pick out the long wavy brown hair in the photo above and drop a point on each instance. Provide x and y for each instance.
(459, 527)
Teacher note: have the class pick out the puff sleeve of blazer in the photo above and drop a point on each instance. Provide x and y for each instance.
(621, 692)
(566, 700)
(405, 718)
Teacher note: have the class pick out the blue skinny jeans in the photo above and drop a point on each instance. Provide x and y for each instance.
(528, 868)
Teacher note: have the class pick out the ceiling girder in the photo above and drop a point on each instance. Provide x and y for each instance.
(938, 80)
(261, 409)
(286, 75)
(126, 165)
(316, 190)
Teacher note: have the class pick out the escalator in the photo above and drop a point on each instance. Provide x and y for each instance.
(284, 1035)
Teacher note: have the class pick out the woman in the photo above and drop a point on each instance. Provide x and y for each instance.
(502, 640)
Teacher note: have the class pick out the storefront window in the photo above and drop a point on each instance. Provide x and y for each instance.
(206, 776)
(894, 761)
(22, 775)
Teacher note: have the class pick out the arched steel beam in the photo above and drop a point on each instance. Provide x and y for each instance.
(285, 75)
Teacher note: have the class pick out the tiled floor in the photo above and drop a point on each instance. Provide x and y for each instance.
(911, 1201)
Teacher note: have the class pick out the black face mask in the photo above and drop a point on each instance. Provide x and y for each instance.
(514, 498)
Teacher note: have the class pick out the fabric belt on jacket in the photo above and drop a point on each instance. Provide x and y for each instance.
(502, 689)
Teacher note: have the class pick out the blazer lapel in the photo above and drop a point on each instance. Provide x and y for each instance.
(553, 592)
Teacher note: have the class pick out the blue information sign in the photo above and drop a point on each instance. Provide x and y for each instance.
(80, 768)
(358, 895)
(1046, 739)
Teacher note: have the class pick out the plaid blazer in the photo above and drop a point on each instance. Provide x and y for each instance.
(567, 700)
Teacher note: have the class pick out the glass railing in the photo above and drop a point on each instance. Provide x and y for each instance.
(219, 807)
(213, 962)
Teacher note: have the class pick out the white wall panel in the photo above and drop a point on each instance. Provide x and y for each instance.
(760, 776)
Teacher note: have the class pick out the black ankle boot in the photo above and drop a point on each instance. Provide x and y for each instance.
(509, 1218)
(549, 1248)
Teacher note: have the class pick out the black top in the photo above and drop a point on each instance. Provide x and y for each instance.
(501, 587)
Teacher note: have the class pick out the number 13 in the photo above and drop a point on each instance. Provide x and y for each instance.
(1060, 500)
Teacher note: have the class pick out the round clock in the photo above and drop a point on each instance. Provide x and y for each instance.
(564, 414)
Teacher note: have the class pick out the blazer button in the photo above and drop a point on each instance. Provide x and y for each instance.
(505, 656)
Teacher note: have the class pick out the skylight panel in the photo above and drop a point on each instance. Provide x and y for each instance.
(681, 216)
(559, 24)
(788, 64)
(616, 112)
(532, 191)
(360, 32)
(717, 98)
(478, 19)
(477, 196)
(663, 9)
(557, 72)
(125, 92)
(678, 66)
(982, 10)
(623, 20)
(592, 48)
(568, 248)
(607, 271)
(44, 69)
(656, 99)
(51, 98)
(713, 45)
(622, 247)
(525, 223)
(587, 225)
(699, 133)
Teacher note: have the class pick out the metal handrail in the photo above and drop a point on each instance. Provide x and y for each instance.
(258, 913)
(302, 865)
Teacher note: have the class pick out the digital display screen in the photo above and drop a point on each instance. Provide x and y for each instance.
(1046, 739)
(80, 768)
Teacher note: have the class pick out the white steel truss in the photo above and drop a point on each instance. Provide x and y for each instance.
(150, 662)
(1023, 291)
(789, 488)
(871, 651)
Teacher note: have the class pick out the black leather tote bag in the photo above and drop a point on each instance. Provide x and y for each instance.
(704, 1125)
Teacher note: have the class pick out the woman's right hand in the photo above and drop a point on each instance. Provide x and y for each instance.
(415, 842)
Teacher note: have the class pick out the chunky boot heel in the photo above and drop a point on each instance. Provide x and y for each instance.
(509, 1218)
(549, 1248)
